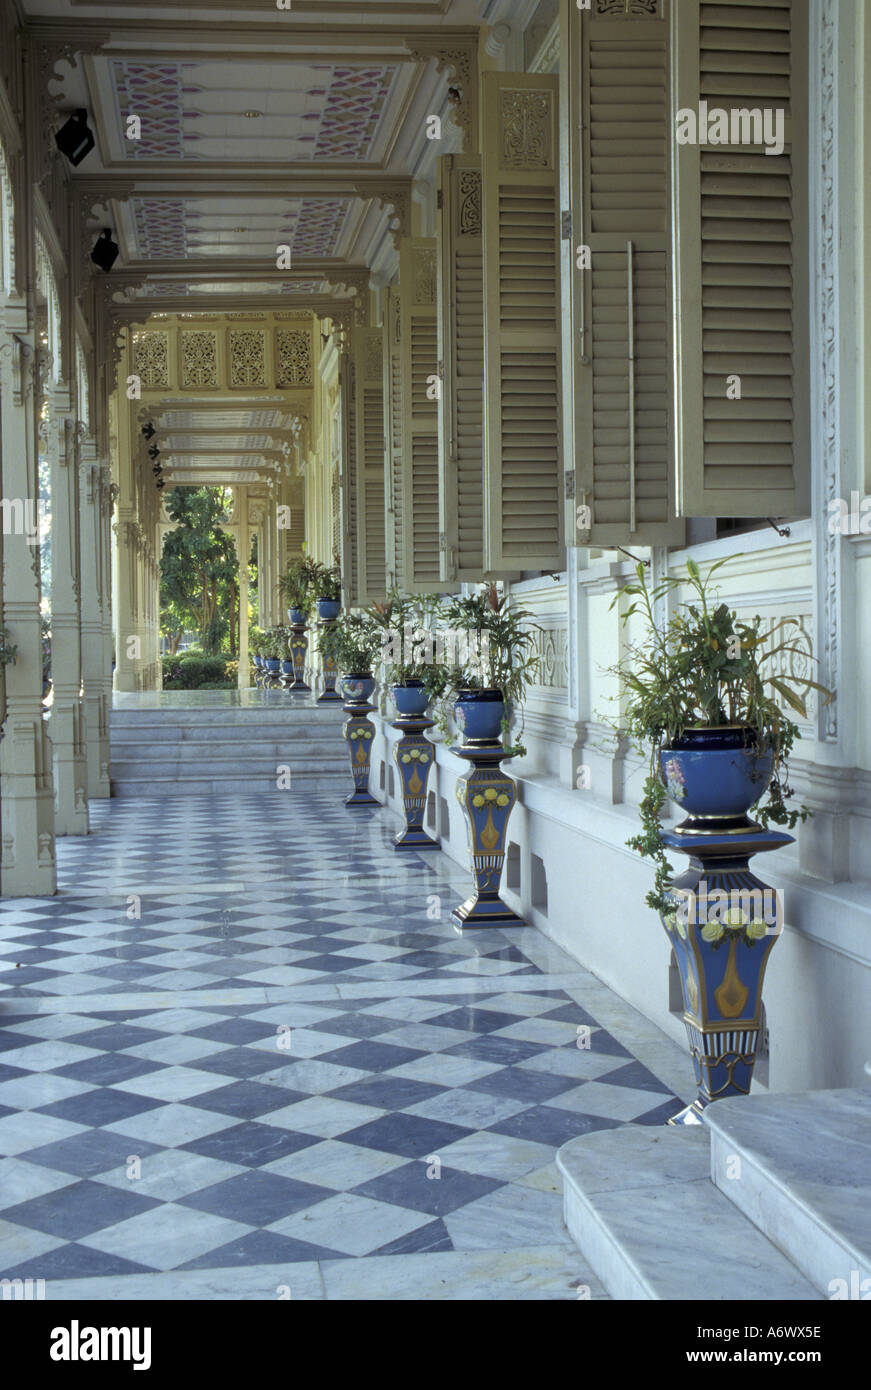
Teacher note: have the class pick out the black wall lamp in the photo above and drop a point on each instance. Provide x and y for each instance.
(106, 251)
(75, 138)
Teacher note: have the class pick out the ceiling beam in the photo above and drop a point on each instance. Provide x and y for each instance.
(170, 38)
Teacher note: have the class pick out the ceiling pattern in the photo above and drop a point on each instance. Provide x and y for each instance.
(170, 228)
(316, 111)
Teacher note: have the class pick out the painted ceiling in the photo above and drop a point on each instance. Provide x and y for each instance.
(170, 228)
(298, 111)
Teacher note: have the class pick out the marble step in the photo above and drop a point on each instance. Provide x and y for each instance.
(154, 769)
(303, 783)
(209, 723)
(799, 1168)
(193, 751)
(640, 1204)
(216, 735)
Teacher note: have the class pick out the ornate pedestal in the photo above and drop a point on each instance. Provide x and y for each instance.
(413, 755)
(487, 796)
(723, 928)
(272, 678)
(329, 695)
(359, 732)
(298, 653)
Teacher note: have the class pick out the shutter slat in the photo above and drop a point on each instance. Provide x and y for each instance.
(740, 271)
(522, 468)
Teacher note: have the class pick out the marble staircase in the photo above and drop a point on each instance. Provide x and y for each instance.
(768, 1200)
(167, 749)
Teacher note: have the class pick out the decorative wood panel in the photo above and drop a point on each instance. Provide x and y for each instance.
(461, 357)
(420, 463)
(393, 432)
(370, 474)
(741, 266)
(625, 380)
(522, 466)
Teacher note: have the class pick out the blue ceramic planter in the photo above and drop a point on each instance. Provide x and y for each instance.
(273, 664)
(411, 699)
(328, 608)
(715, 776)
(287, 668)
(479, 715)
(357, 689)
(296, 615)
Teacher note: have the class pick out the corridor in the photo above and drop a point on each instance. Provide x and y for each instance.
(244, 1052)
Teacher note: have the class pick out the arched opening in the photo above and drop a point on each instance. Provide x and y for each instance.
(200, 615)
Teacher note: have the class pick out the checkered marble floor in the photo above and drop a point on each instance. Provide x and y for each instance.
(244, 1048)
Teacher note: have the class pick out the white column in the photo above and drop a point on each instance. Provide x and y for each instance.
(67, 722)
(27, 858)
(243, 546)
(91, 483)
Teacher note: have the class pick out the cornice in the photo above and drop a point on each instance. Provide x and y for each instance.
(165, 38)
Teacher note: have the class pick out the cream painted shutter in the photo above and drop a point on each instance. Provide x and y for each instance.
(348, 478)
(522, 466)
(295, 532)
(461, 358)
(393, 434)
(370, 500)
(420, 445)
(741, 253)
(624, 441)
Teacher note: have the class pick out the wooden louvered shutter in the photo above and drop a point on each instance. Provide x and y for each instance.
(370, 504)
(419, 350)
(625, 377)
(348, 479)
(393, 434)
(461, 358)
(740, 233)
(295, 532)
(522, 467)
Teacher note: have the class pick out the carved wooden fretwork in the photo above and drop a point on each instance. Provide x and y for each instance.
(527, 129)
(397, 197)
(151, 359)
(469, 203)
(424, 283)
(628, 9)
(293, 356)
(199, 359)
(247, 357)
(461, 63)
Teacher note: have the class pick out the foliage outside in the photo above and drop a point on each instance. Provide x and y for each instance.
(199, 581)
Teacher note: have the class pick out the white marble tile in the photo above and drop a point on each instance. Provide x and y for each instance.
(353, 1224)
(549, 1273)
(510, 1217)
(166, 1236)
(335, 1165)
(296, 1282)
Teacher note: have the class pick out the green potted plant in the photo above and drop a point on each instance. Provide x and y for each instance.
(407, 649)
(327, 586)
(297, 587)
(706, 698)
(485, 681)
(354, 643)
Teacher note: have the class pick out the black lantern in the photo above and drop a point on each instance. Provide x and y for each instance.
(75, 139)
(106, 251)
(149, 430)
(153, 452)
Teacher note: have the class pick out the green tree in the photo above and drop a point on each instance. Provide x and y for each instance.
(199, 583)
